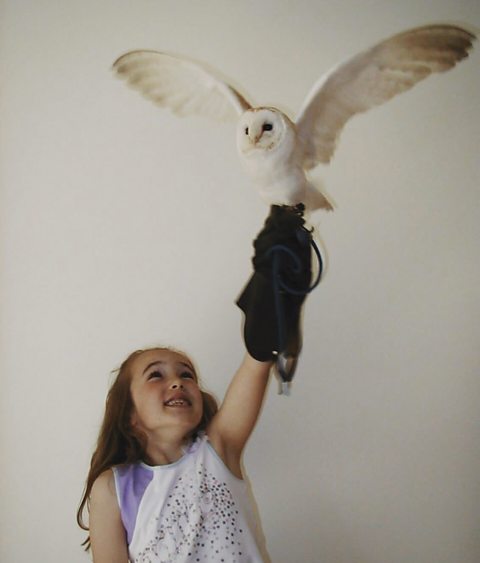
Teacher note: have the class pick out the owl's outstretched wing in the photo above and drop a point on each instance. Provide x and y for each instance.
(373, 77)
(184, 86)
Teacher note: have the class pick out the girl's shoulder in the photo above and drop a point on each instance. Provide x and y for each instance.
(103, 487)
(107, 533)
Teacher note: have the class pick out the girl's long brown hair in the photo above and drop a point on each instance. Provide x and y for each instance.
(118, 442)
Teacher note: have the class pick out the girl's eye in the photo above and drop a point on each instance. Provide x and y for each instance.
(155, 375)
(187, 375)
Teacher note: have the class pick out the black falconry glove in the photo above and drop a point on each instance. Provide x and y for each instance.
(273, 297)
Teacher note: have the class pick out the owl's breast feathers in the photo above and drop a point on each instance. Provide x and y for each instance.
(285, 188)
(277, 173)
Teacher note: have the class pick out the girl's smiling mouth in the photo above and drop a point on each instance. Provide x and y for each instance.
(178, 400)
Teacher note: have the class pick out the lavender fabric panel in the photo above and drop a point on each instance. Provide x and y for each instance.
(132, 481)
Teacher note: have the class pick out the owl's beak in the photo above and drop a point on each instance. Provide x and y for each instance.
(255, 138)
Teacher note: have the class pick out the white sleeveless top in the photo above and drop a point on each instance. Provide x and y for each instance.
(193, 510)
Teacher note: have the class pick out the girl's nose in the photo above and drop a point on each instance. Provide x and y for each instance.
(176, 385)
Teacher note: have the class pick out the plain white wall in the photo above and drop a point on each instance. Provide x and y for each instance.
(123, 226)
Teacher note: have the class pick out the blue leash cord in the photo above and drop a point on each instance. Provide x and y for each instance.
(286, 365)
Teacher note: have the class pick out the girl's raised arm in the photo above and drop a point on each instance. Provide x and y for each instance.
(107, 534)
(234, 422)
(272, 302)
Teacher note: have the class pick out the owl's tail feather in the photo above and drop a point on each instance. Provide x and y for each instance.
(315, 199)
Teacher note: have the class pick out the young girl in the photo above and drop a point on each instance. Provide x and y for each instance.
(165, 482)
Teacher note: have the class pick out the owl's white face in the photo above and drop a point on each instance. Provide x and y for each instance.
(264, 130)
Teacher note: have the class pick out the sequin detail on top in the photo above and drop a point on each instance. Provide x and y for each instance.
(194, 511)
(189, 523)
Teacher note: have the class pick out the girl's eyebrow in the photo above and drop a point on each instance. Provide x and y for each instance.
(162, 362)
(187, 366)
(152, 364)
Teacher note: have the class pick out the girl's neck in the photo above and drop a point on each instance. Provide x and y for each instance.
(162, 451)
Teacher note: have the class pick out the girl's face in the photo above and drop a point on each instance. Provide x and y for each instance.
(165, 393)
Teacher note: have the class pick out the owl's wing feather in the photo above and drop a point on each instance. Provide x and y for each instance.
(371, 78)
(184, 86)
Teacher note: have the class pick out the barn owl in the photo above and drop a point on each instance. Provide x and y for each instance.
(278, 153)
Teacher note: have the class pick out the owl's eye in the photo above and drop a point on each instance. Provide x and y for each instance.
(246, 130)
(267, 127)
